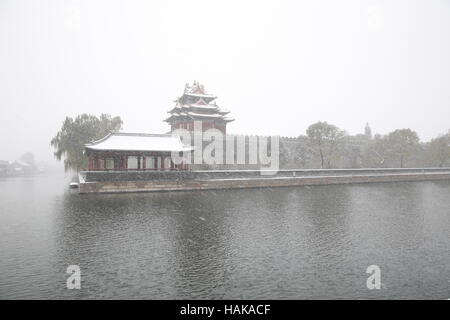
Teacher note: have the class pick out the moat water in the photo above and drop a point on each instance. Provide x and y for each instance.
(286, 243)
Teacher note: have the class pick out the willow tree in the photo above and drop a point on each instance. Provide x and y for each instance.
(75, 133)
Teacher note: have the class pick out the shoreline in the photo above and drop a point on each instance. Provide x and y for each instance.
(279, 180)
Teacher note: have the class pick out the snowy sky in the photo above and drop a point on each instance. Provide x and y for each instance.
(278, 66)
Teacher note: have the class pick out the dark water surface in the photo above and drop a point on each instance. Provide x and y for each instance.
(285, 243)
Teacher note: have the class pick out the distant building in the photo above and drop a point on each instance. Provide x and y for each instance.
(4, 165)
(16, 168)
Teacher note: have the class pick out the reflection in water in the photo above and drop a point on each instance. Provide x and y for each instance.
(304, 242)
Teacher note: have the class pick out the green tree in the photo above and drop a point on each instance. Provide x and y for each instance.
(75, 133)
(326, 139)
(400, 144)
(439, 150)
(303, 153)
(374, 152)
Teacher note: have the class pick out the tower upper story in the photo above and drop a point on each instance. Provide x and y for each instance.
(197, 105)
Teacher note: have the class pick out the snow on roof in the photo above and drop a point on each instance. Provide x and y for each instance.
(188, 107)
(206, 115)
(139, 142)
(190, 114)
(202, 106)
(201, 95)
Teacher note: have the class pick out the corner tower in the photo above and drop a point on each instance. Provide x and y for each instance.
(197, 105)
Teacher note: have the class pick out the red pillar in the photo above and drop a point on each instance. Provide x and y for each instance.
(90, 163)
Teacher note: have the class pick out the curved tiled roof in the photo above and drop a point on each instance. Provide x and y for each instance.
(138, 142)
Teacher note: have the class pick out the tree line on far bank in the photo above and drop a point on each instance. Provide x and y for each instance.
(323, 146)
(327, 146)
